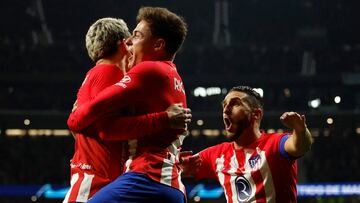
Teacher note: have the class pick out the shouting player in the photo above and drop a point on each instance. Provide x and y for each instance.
(255, 166)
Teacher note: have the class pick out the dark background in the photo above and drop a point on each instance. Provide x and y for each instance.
(296, 51)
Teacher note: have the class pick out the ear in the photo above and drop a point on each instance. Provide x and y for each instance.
(159, 44)
(257, 113)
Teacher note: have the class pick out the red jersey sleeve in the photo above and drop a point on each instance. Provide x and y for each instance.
(97, 79)
(124, 128)
(116, 97)
(105, 76)
(207, 168)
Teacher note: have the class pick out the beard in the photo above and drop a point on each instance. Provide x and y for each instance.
(241, 125)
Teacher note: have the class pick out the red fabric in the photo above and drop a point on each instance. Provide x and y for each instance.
(270, 177)
(100, 158)
(148, 87)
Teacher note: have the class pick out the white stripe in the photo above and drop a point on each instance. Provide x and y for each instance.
(166, 170)
(234, 165)
(267, 178)
(219, 166)
(247, 175)
(73, 180)
(168, 164)
(132, 152)
(84, 189)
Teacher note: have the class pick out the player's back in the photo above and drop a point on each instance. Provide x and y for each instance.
(95, 162)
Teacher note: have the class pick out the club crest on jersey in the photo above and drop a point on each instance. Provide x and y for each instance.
(243, 188)
(255, 162)
(178, 85)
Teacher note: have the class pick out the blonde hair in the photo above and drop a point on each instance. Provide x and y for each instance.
(103, 36)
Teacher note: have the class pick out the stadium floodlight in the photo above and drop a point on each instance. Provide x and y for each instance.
(315, 103)
(337, 99)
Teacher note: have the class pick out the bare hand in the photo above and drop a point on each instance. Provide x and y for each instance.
(179, 116)
(294, 121)
(190, 164)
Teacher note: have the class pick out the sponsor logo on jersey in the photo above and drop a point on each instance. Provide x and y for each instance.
(178, 85)
(243, 188)
(126, 79)
(123, 81)
(83, 166)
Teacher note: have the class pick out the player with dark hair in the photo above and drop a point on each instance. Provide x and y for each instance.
(100, 152)
(153, 172)
(255, 166)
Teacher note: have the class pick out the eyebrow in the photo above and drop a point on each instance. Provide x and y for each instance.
(232, 99)
(136, 31)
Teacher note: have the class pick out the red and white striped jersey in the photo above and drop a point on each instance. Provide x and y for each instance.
(150, 86)
(95, 162)
(261, 172)
(101, 150)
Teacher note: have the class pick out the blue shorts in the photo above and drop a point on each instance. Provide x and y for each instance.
(136, 188)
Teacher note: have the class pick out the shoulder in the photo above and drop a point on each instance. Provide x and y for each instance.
(150, 67)
(104, 68)
(217, 149)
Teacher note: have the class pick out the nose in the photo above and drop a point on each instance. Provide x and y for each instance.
(226, 109)
(128, 41)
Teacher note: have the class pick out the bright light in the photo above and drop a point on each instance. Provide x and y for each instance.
(224, 90)
(15, 132)
(209, 91)
(195, 132)
(197, 199)
(26, 122)
(270, 130)
(211, 132)
(337, 99)
(260, 91)
(200, 92)
(329, 121)
(314, 103)
(200, 122)
(213, 91)
(358, 130)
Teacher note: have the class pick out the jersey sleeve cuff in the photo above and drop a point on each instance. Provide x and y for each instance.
(282, 146)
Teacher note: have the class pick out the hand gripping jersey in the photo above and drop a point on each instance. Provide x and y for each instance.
(97, 162)
(261, 172)
(150, 86)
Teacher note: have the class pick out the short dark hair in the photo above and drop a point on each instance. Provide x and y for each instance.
(254, 99)
(165, 24)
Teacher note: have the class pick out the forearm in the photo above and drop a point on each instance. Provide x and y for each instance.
(134, 127)
(302, 141)
(110, 100)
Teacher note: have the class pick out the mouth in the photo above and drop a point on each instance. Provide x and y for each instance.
(227, 123)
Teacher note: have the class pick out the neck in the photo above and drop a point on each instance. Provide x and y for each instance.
(247, 137)
(117, 62)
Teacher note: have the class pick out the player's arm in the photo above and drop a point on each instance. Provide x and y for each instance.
(133, 127)
(96, 80)
(300, 141)
(114, 98)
